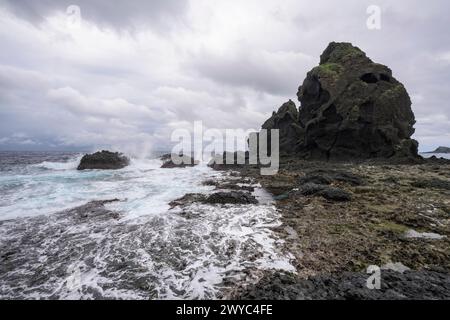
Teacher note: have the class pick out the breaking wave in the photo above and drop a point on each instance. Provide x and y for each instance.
(56, 246)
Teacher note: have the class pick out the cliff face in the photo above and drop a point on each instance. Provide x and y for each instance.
(350, 107)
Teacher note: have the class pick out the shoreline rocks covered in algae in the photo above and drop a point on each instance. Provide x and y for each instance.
(353, 191)
(334, 242)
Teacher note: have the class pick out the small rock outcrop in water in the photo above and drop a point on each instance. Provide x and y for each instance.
(105, 160)
(440, 150)
(350, 108)
(168, 163)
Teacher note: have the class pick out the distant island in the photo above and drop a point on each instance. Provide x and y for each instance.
(440, 150)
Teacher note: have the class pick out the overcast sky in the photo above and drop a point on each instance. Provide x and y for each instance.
(133, 71)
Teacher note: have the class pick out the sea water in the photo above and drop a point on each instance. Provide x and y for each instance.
(147, 251)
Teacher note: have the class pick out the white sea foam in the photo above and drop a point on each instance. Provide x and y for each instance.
(69, 165)
(150, 252)
(437, 155)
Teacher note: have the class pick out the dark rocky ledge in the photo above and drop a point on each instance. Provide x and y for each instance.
(416, 285)
(104, 160)
(231, 197)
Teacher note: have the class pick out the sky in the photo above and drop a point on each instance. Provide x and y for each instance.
(128, 73)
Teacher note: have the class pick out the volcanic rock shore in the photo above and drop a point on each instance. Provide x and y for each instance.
(353, 191)
(335, 240)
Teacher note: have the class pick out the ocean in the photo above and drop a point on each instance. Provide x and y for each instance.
(147, 251)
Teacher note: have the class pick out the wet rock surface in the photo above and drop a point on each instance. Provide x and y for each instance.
(351, 108)
(231, 197)
(415, 285)
(104, 160)
(177, 161)
(397, 213)
(234, 197)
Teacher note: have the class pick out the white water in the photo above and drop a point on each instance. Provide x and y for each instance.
(437, 155)
(51, 186)
(195, 252)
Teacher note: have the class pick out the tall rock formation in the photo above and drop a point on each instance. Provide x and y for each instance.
(350, 108)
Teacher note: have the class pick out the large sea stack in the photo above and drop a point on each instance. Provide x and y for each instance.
(350, 108)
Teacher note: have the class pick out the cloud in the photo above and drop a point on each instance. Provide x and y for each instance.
(134, 71)
(119, 14)
(263, 71)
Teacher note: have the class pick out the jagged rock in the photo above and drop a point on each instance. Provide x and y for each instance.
(105, 160)
(232, 197)
(286, 120)
(95, 210)
(350, 108)
(168, 163)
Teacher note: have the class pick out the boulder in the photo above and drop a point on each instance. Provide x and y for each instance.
(351, 107)
(104, 160)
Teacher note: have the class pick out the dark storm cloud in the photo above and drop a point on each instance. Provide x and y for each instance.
(265, 72)
(117, 14)
(229, 63)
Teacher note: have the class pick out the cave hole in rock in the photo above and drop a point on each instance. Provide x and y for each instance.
(369, 78)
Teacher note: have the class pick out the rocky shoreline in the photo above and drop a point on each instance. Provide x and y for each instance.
(339, 218)
(353, 191)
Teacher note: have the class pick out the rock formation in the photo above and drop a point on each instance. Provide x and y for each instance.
(350, 108)
(186, 161)
(440, 150)
(105, 160)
